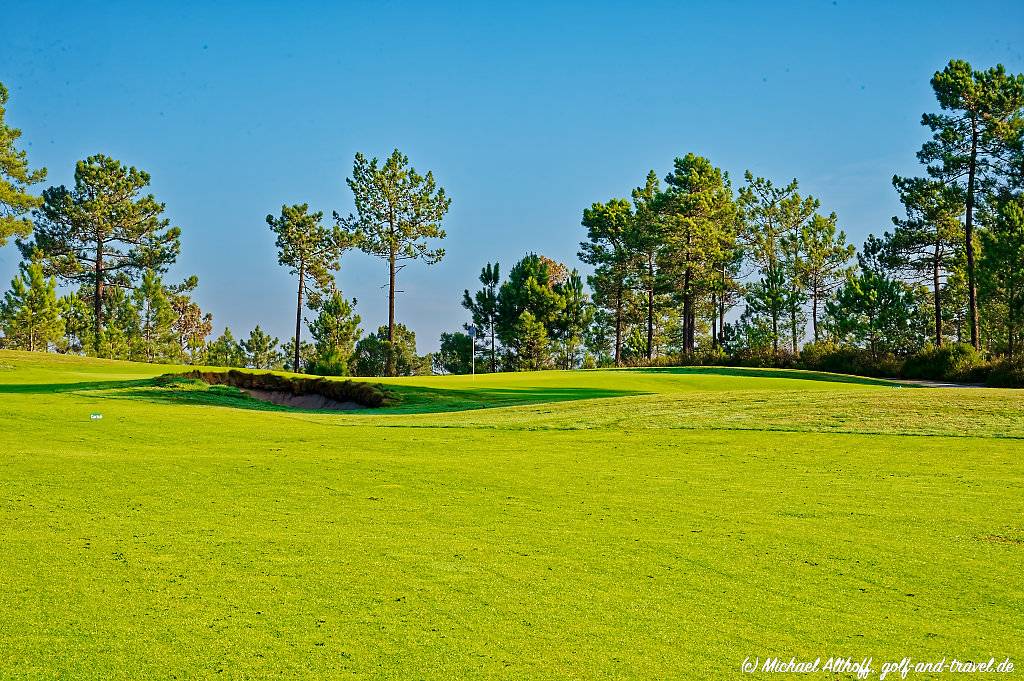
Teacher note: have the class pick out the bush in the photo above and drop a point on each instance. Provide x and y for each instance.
(955, 362)
(1007, 373)
(365, 394)
(845, 359)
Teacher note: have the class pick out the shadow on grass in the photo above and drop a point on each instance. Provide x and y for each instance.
(410, 399)
(753, 372)
(417, 399)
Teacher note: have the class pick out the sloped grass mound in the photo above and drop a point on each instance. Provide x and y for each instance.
(360, 393)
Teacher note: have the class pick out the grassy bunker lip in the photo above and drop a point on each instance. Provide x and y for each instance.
(327, 394)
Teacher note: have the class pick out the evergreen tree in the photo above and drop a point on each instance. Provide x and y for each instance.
(530, 287)
(225, 351)
(455, 355)
(925, 245)
(530, 344)
(699, 213)
(483, 306)
(372, 353)
(307, 358)
(571, 324)
(397, 210)
(119, 338)
(191, 325)
(872, 309)
(312, 251)
(647, 240)
(30, 313)
(609, 228)
(1003, 267)
(335, 332)
(77, 316)
(261, 350)
(970, 145)
(772, 217)
(825, 261)
(157, 341)
(101, 231)
(15, 179)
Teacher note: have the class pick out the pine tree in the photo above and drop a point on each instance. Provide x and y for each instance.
(102, 232)
(609, 226)
(30, 313)
(571, 324)
(260, 350)
(157, 341)
(15, 179)
(1003, 267)
(530, 344)
(970, 145)
(335, 332)
(225, 351)
(825, 261)
(925, 245)
(312, 251)
(397, 210)
(483, 306)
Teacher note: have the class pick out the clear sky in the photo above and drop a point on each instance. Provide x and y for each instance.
(526, 113)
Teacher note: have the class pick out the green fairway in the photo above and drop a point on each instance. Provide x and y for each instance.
(591, 524)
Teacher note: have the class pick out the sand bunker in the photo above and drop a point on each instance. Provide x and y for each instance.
(301, 401)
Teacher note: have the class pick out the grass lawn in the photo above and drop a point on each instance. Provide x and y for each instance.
(605, 524)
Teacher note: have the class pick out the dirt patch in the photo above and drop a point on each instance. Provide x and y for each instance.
(308, 401)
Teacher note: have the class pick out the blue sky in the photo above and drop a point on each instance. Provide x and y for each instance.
(526, 113)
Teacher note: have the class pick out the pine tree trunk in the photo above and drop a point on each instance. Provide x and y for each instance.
(688, 316)
(937, 292)
(97, 304)
(972, 290)
(494, 357)
(650, 308)
(814, 312)
(298, 314)
(618, 326)
(391, 314)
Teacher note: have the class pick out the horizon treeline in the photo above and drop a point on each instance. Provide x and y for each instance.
(688, 267)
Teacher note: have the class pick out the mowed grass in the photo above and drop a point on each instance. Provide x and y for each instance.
(605, 524)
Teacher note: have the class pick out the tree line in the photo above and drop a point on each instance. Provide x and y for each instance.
(685, 268)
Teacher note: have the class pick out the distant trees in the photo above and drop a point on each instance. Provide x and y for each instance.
(455, 355)
(971, 146)
(225, 351)
(261, 350)
(15, 179)
(335, 332)
(397, 210)
(483, 308)
(102, 232)
(608, 249)
(312, 252)
(30, 314)
(373, 353)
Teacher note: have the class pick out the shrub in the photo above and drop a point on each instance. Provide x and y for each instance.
(955, 362)
(365, 394)
(846, 359)
(1007, 373)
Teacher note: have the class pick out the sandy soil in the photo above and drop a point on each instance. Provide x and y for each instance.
(301, 401)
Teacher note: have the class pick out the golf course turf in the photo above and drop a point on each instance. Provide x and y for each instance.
(647, 523)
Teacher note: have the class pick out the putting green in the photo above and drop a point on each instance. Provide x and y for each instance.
(620, 524)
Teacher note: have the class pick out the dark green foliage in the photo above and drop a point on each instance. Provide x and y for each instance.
(365, 394)
(261, 350)
(529, 342)
(311, 251)
(30, 314)
(530, 288)
(609, 226)
(1007, 373)
(225, 351)
(397, 210)
(455, 355)
(372, 354)
(950, 362)
(15, 179)
(102, 232)
(483, 306)
(335, 330)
